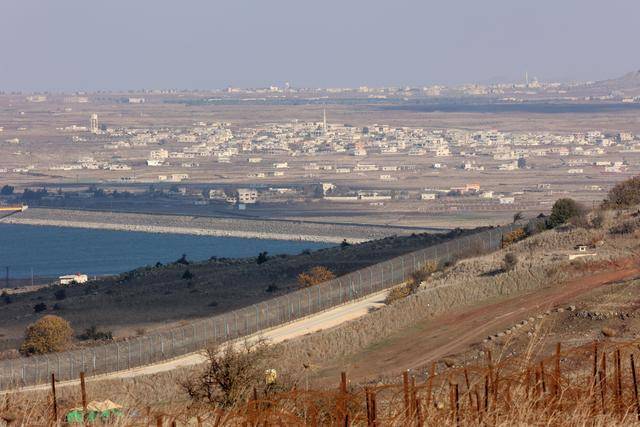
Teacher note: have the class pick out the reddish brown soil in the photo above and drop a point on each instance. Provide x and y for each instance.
(433, 339)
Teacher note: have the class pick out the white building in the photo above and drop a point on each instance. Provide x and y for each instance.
(73, 278)
(247, 195)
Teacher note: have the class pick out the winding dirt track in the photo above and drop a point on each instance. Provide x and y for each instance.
(436, 338)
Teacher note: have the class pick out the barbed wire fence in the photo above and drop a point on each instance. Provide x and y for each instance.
(196, 335)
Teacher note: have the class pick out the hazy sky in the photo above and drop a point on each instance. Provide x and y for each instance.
(65, 45)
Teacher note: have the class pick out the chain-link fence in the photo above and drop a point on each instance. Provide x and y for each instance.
(178, 341)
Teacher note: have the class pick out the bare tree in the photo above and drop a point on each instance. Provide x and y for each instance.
(231, 373)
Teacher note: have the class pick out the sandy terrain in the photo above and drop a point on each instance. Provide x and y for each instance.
(431, 340)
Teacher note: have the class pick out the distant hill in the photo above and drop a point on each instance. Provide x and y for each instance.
(629, 83)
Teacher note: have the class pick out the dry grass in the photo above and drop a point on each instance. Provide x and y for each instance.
(587, 385)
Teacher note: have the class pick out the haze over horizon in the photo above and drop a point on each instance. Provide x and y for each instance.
(121, 45)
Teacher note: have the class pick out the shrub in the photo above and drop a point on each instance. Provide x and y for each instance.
(230, 375)
(262, 257)
(563, 210)
(400, 292)
(40, 307)
(517, 217)
(598, 220)
(624, 194)
(47, 335)
(345, 244)
(272, 288)
(510, 261)
(187, 275)
(6, 190)
(92, 333)
(60, 294)
(6, 297)
(535, 227)
(183, 260)
(513, 236)
(315, 276)
(423, 272)
(627, 227)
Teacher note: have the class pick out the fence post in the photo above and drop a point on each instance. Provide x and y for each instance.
(392, 275)
(257, 318)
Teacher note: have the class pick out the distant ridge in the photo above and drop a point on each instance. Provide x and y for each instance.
(629, 82)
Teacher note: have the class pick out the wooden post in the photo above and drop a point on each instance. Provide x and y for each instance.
(405, 393)
(618, 381)
(452, 401)
(415, 407)
(466, 381)
(594, 383)
(55, 400)
(603, 382)
(83, 389)
(343, 407)
(486, 393)
(367, 397)
(635, 385)
(432, 373)
(456, 395)
(556, 382)
(374, 409)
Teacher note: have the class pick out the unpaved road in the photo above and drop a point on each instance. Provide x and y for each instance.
(433, 339)
(324, 320)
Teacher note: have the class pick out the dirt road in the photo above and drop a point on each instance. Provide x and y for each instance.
(324, 320)
(433, 339)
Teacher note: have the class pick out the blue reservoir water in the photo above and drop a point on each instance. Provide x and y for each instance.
(54, 251)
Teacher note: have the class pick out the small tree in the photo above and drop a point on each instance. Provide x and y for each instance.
(39, 307)
(187, 275)
(6, 190)
(315, 276)
(510, 261)
(563, 210)
(231, 373)
(517, 216)
(49, 334)
(624, 194)
(262, 257)
(183, 260)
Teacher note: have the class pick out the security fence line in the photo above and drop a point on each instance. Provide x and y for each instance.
(196, 335)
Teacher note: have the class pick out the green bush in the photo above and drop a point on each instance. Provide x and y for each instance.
(563, 210)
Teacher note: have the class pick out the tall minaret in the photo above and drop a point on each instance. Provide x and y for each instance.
(93, 125)
(324, 120)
